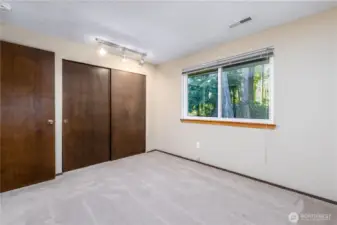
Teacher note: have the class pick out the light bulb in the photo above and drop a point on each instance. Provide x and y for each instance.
(142, 59)
(102, 51)
(124, 59)
(141, 62)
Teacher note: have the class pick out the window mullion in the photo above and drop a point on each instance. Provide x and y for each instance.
(219, 92)
(271, 94)
(185, 97)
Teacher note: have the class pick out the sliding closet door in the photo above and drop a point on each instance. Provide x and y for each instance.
(128, 105)
(86, 115)
(27, 116)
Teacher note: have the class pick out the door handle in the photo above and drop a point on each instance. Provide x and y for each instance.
(50, 122)
(65, 121)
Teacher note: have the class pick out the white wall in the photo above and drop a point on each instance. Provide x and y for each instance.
(335, 100)
(302, 152)
(78, 52)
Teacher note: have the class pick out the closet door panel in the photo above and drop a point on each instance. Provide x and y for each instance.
(128, 113)
(86, 113)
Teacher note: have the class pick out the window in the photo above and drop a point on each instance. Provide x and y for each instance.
(231, 92)
(245, 91)
(203, 94)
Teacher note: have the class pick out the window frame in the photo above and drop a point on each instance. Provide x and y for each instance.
(219, 118)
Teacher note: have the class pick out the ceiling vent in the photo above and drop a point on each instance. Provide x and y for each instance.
(245, 20)
(5, 7)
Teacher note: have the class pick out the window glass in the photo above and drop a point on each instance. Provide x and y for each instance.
(246, 91)
(203, 94)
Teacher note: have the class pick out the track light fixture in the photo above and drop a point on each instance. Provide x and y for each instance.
(124, 59)
(124, 50)
(142, 60)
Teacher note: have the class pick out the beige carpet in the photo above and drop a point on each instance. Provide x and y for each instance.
(155, 189)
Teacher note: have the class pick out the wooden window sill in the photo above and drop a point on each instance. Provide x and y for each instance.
(230, 123)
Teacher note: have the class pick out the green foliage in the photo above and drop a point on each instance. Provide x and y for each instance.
(203, 95)
(251, 80)
(256, 109)
(203, 109)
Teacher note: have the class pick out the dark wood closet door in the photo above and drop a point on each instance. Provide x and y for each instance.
(128, 105)
(27, 103)
(86, 114)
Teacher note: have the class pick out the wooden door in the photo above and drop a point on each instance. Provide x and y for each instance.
(86, 114)
(128, 110)
(27, 103)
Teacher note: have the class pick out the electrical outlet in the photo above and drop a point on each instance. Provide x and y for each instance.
(198, 144)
